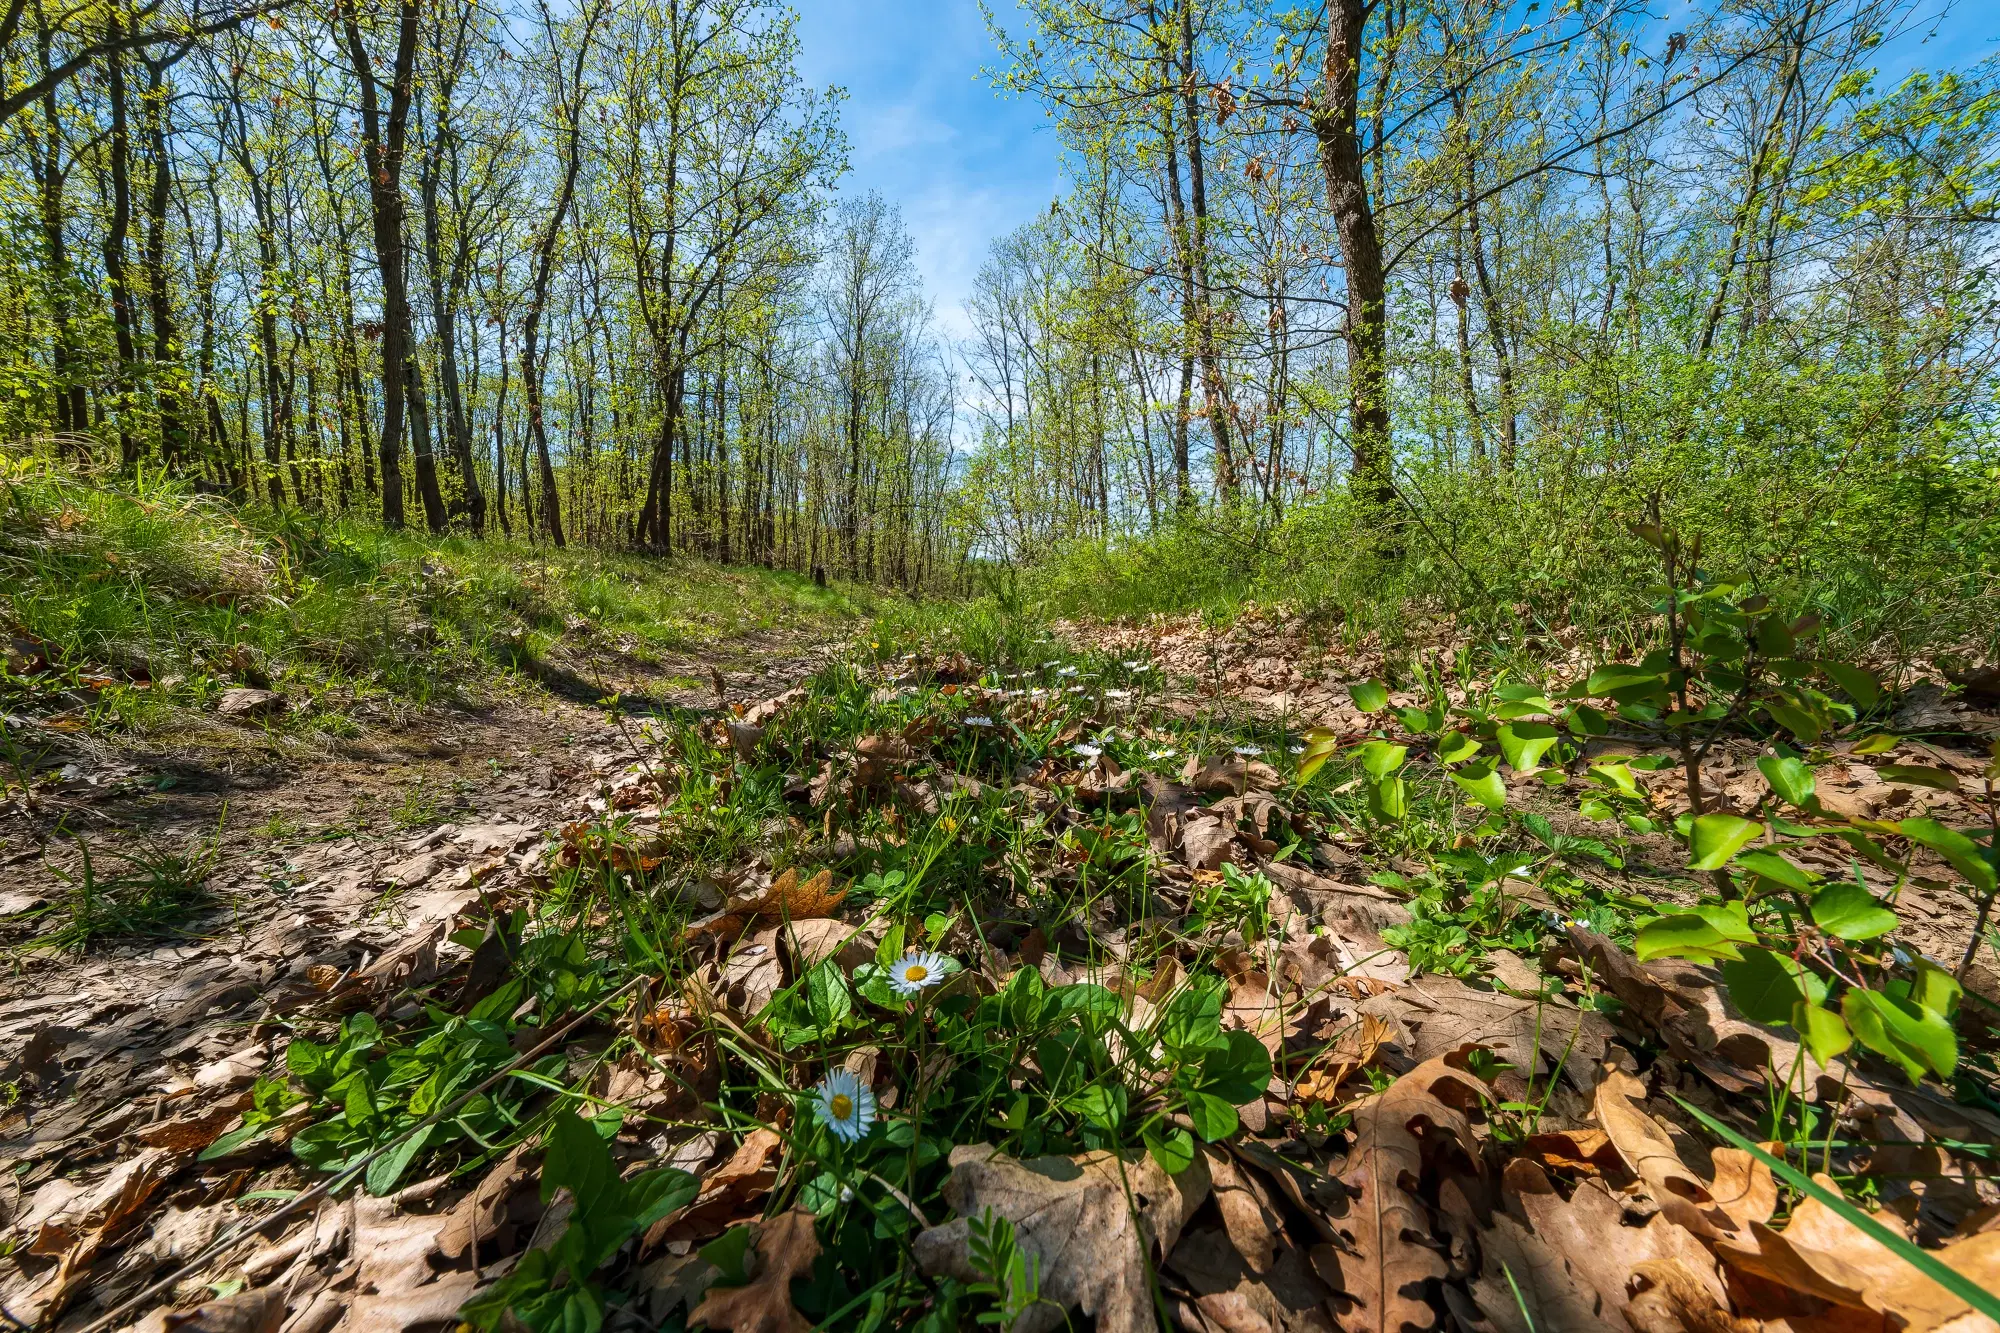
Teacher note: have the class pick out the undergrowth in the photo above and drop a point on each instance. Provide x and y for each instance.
(937, 881)
(129, 601)
(1900, 557)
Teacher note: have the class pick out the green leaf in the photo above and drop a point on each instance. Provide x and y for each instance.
(577, 1159)
(1617, 776)
(1936, 989)
(1766, 985)
(1415, 719)
(1919, 775)
(1321, 745)
(1101, 1104)
(1484, 784)
(1856, 683)
(730, 1253)
(1880, 743)
(1587, 721)
(1794, 719)
(1717, 837)
(1912, 1036)
(1456, 747)
(386, 1170)
(1214, 1119)
(1957, 1283)
(306, 1059)
(1174, 1152)
(1379, 758)
(1790, 778)
(1825, 1032)
(1619, 676)
(827, 996)
(1370, 696)
(891, 947)
(651, 1195)
(1239, 1070)
(1848, 911)
(1705, 936)
(1780, 870)
(1953, 846)
(1389, 800)
(1524, 744)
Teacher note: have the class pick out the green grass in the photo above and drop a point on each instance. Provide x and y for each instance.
(136, 600)
(151, 890)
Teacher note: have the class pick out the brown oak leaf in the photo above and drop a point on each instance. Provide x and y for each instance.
(1093, 1224)
(786, 1248)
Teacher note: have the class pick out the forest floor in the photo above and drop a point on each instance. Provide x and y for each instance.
(1221, 1045)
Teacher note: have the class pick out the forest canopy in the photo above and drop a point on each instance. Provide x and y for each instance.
(1405, 300)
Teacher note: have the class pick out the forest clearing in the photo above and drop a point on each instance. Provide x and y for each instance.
(1288, 669)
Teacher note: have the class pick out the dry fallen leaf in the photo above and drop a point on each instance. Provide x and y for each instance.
(480, 1215)
(1230, 1298)
(1524, 1285)
(1675, 1300)
(727, 1193)
(1073, 1216)
(1682, 1195)
(1821, 1254)
(1600, 1249)
(259, 1309)
(1355, 1048)
(786, 1248)
(1249, 1217)
(1388, 1257)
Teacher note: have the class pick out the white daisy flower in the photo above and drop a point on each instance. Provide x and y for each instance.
(1298, 749)
(1162, 754)
(1047, 665)
(1087, 751)
(1248, 750)
(1118, 694)
(976, 720)
(845, 1105)
(1067, 671)
(915, 971)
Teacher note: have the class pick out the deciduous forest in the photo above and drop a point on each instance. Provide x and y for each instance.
(1385, 717)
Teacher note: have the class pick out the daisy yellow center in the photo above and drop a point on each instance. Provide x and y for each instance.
(917, 972)
(841, 1105)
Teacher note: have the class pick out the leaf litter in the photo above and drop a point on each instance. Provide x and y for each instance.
(1175, 1070)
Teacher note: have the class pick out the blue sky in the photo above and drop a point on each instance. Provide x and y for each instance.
(963, 163)
(966, 164)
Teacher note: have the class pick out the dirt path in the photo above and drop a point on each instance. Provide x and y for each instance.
(341, 869)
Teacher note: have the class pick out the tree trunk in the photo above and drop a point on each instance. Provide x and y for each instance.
(1336, 125)
(444, 308)
(118, 278)
(1214, 389)
(169, 382)
(382, 157)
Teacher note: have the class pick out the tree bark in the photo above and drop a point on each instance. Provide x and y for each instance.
(168, 379)
(1336, 125)
(382, 145)
(116, 273)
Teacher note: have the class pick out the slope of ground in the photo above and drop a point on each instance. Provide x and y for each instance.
(1225, 1038)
